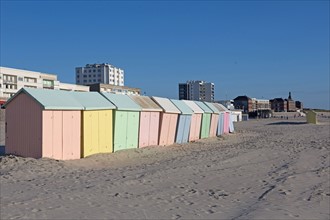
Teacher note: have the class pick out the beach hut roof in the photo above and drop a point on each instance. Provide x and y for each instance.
(212, 107)
(193, 106)
(146, 103)
(185, 110)
(166, 105)
(51, 99)
(204, 107)
(122, 102)
(92, 100)
(220, 107)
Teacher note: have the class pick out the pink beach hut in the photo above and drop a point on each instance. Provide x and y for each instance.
(168, 121)
(43, 123)
(196, 120)
(149, 120)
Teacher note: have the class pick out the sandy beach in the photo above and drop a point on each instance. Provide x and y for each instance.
(267, 169)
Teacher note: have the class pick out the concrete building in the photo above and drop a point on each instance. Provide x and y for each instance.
(73, 87)
(12, 80)
(285, 105)
(196, 90)
(252, 106)
(291, 104)
(99, 87)
(278, 105)
(244, 103)
(229, 104)
(99, 73)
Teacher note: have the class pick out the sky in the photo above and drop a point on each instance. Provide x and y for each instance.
(262, 49)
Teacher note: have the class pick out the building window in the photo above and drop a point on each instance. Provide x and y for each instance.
(99, 70)
(85, 81)
(85, 71)
(78, 76)
(94, 71)
(78, 71)
(89, 71)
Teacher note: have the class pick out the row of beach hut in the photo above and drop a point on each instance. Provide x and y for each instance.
(71, 125)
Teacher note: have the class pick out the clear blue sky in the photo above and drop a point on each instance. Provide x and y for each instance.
(262, 49)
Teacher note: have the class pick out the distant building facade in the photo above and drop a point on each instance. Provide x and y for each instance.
(299, 105)
(285, 105)
(99, 73)
(197, 90)
(291, 104)
(244, 103)
(99, 87)
(229, 104)
(252, 106)
(12, 80)
(278, 105)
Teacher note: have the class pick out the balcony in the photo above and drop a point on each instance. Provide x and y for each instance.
(6, 81)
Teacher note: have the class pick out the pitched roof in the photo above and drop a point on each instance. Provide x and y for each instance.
(146, 103)
(203, 107)
(122, 102)
(212, 107)
(92, 100)
(183, 107)
(166, 105)
(50, 99)
(193, 106)
(220, 107)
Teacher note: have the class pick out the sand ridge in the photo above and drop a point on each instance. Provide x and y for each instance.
(268, 169)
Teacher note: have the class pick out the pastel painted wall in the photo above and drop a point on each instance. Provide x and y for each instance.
(182, 130)
(61, 134)
(149, 128)
(24, 127)
(168, 122)
(205, 128)
(220, 130)
(226, 123)
(97, 132)
(214, 125)
(195, 127)
(126, 129)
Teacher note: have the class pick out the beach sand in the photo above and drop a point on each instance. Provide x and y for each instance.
(267, 169)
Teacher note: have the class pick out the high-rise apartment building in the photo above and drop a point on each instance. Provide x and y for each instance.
(196, 90)
(99, 73)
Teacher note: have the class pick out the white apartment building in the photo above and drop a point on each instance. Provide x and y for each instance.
(99, 73)
(197, 90)
(12, 80)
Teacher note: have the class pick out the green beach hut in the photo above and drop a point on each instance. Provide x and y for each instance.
(126, 118)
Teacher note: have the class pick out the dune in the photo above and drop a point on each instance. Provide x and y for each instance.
(267, 169)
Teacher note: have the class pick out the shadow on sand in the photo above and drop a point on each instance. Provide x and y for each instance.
(288, 123)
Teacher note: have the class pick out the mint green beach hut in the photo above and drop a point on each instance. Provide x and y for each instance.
(206, 119)
(126, 119)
